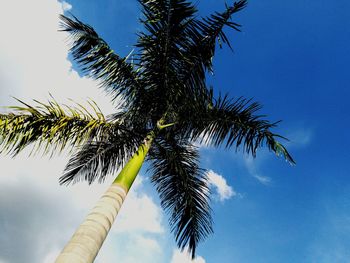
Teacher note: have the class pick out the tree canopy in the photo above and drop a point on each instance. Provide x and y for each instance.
(163, 82)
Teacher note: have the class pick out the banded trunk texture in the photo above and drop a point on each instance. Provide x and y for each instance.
(87, 240)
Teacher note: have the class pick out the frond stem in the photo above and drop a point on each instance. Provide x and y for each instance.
(161, 126)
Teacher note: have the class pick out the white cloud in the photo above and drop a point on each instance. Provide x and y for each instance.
(33, 56)
(51, 256)
(66, 6)
(34, 207)
(223, 190)
(136, 206)
(148, 243)
(131, 248)
(183, 257)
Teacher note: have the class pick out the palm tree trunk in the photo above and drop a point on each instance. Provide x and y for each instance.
(88, 239)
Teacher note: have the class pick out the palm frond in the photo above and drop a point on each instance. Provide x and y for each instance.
(161, 47)
(98, 158)
(200, 50)
(235, 123)
(98, 60)
(183, 190)
(49, 126)
(212, 26)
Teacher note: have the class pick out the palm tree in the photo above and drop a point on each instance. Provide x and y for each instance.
(164, 107)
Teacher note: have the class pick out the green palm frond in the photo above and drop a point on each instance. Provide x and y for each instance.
(98, 60)
(212, 26)
(200, 52)
(235, 123)
(3, 118)
(50, 126)
(161, 51)
(99, 158)
(183, 190)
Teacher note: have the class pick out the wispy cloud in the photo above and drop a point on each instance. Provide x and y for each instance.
(222, 189)
(251, 165)
(66, 6)
(299, 137)
(262, 179)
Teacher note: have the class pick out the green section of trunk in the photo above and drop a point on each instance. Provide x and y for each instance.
(128, 174)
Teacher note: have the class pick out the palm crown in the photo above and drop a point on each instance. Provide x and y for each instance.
(162, 93)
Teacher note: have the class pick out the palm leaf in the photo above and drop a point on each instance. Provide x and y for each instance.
(183, 191)
(235, 123)
(212, 26)
(198, 54)
(50, 127)
(161, 52)
(99, 158)
(99, 61)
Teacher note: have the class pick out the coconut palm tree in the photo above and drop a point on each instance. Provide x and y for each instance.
(165, 106)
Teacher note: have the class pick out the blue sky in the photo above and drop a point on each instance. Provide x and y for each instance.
(292, 56)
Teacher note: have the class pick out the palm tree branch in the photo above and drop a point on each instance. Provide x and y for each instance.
(98, 158)
(183, 190)
(162, 48)
(212, 26)
(235, 123)
(98, 60)
(51, 126)
(200, 52)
